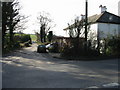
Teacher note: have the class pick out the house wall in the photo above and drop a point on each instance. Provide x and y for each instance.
(119, 30)
(108, 30)
(102, 30)
(92, 32)
(92, 35)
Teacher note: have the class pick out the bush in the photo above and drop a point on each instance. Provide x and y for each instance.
(93, 52)
(77, 49)
(109, 50)
(17, 40)
(78, 52)
(26, 38)
(113, 46)
(17, 45)
(23, 38)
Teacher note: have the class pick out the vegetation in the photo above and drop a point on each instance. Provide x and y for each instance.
(45, 23)
(77, 48)
(50, 36)
(20, 40)
(75, 51)
(11, 21)
(113, 46)
(33, 37)
(110, 49)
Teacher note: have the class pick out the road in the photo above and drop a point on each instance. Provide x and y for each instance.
(26, 68)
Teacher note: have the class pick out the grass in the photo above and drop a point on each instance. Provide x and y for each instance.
(33, 37)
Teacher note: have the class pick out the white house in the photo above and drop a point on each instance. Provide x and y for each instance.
(101, 26)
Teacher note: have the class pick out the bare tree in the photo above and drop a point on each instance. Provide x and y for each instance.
(74, 29)
(21, 25)
(45, 23)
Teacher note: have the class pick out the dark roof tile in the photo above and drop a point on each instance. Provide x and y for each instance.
(104, 17)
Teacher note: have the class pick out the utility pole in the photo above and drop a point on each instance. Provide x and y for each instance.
(86, 23)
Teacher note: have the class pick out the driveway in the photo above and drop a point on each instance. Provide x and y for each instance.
(26, 68)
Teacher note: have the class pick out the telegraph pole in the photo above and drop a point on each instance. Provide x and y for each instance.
(86, 23)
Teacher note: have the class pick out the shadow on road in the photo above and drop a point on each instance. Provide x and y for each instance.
(27, 68)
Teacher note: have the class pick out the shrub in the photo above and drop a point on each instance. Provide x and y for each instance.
(17, 40)
(77, 49)
(78, 52)
(113, 46)
(26, 38)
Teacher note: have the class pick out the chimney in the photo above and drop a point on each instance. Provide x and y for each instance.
(103, 8)
(82, 17)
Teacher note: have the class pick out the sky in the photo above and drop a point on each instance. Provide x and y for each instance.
(62, 11)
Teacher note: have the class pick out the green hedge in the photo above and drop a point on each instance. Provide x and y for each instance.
(17, 40)
(113, 46)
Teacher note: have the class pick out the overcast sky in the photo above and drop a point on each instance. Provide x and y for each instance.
(62, 11)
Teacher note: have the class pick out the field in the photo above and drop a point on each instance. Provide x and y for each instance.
(33, 37)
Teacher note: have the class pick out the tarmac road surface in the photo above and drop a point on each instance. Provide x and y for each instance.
(28, 69)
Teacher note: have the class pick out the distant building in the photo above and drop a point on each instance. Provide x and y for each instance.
(65, 41)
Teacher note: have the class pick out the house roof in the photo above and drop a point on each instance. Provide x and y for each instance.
(107, 17)
(104, 17)
(94, 18)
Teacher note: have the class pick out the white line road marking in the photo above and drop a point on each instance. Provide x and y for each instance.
(93, 87)
(111, 85)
